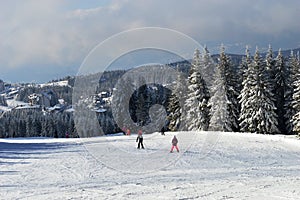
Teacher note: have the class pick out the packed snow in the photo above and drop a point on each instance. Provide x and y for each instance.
(210, 165)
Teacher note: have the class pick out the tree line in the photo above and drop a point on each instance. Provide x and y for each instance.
(35, 123)
(259, 95)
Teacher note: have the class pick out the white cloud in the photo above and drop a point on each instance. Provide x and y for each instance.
(49, 32)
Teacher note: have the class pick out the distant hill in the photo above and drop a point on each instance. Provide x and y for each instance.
(287, 53)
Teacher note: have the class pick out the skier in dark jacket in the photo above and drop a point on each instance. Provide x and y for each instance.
(174, 144)
(140, 139)
(162, 130)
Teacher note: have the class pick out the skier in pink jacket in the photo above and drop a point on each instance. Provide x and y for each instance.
(174, 144)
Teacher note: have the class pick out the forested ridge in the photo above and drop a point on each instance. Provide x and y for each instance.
(246, 93)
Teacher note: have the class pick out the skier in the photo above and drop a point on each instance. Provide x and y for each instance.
(140, 139)
(128, 132)
(174, 144)
(162, 130)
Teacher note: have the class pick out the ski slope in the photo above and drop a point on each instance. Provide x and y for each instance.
(210, 165)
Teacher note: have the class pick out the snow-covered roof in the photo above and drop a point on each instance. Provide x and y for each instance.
(107, 99)
(70, 110)
(13, 92)
(56, 107)
(100, 110)
(13, 103)
(27, 107)
(4, 108)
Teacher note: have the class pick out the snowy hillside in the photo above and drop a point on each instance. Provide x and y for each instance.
(210, 165)
(58, 83)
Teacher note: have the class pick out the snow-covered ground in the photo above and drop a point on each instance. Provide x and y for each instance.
(14, 103)
(210, 166)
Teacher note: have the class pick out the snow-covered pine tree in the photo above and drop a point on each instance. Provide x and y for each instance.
(290, 72)
(241, 70)
(140, 102)
(270, 64)
(219, 103)
(144, 100)
(207, 67)
(3, 101)
(28, 126)
(43, 124)
(174, 111)
(3, 122)
(71, 127)
(296, 94)
(246, 93)
(197, 98)
(174, 105)
(232, 90)
(280, 87)
(224, 104)
(260, 109)
(296, 106)
(265, 117)
(246, 61)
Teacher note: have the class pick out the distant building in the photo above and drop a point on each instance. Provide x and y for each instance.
(104, 94)
(57, 108)
(48, 98)
(33, 99)
(27, 107)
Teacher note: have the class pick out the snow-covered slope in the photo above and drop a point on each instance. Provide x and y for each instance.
(58, 83)
(210, 166)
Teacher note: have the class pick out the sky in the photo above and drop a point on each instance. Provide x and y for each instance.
(49, 39)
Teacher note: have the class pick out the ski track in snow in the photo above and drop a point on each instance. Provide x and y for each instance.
(233, 166)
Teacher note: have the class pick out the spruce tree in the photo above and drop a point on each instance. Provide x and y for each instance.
(296, 94)
(174, 105)
(219, 104)
(296, 106)
(207, 67)
(246, 93)
(224, 103)
(280, 87)
(290, 76)
(259, 108)
(270, 65)
(232, 87)
(143, 105)
(197, 98)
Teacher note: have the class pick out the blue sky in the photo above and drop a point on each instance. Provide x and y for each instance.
(44, 40)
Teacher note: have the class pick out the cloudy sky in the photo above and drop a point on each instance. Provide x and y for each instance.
(48, 39)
